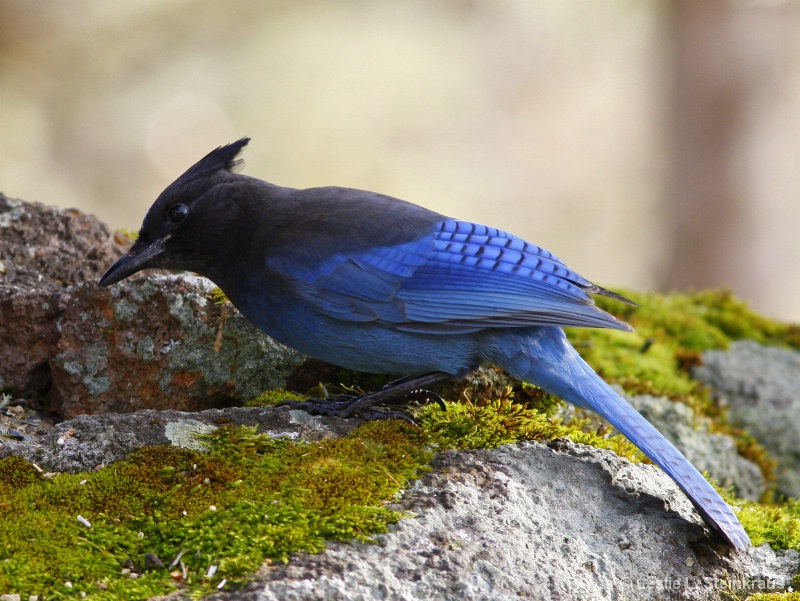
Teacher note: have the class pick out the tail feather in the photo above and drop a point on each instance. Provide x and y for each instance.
(549, 361)
(652, 443)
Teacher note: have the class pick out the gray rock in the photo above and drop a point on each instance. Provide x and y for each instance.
(89, 441)
(715, 453)
(562, 521)
(761, 385)
(707, 451)
(556, 521)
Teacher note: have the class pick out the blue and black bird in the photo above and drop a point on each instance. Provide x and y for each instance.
(376, 284)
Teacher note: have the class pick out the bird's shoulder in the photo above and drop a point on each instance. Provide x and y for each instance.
(335, 221)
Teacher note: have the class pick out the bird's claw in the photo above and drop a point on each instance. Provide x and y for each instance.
(402, 390)
(424, 396)
(344, 407)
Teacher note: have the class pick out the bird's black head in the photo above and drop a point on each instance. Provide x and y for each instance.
(182, 227)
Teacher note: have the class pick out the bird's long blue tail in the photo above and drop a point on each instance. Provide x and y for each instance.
(543, 356)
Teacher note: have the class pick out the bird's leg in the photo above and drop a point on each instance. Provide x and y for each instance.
(419, 394)
(361, 406)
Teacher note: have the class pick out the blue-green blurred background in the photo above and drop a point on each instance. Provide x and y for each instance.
(649, 144)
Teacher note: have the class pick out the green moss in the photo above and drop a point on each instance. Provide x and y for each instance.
(489, 423)
(701, 320)
(671, 333)
(776, 524)
(708, 319)
(17, 473)
(217, 296)
(125, 235)
(248, 499)
(751, 449)
(273, 397)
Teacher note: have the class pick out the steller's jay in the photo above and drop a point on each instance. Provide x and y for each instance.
(376, 284)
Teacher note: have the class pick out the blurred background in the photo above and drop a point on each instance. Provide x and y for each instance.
(651, 145)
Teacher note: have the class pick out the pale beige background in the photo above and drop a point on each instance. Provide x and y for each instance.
(555, 120)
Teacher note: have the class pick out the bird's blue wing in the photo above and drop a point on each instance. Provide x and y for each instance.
(462, 277)
(477, 277)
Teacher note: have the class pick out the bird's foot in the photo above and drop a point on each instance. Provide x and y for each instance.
(343, 406)
(400, 391)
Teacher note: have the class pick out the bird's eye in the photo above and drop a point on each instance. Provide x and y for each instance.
(177, 212)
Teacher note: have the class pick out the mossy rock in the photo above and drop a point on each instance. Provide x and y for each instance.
(168, 518)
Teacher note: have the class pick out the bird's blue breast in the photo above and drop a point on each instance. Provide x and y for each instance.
(359, 345)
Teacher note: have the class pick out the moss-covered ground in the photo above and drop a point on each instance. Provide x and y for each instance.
(169, 518)
(789, 596)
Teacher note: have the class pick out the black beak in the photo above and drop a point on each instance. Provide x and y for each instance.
(140, 256)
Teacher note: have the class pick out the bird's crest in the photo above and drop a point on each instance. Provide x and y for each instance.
(223, 157)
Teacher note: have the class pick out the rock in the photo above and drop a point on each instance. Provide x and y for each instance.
(555, 521)
(149, 343)
(46, 246)
(43, 251)
(160, 343)
(530, 521)
(761, 387)
(29, 323)
(715, 453)
(89, 441)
